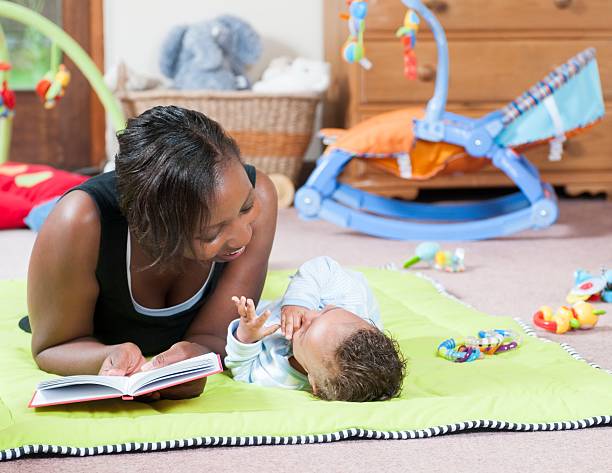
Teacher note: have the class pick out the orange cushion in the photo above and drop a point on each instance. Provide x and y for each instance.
(392, 133)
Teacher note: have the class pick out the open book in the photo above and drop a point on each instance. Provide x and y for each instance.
(81, 388)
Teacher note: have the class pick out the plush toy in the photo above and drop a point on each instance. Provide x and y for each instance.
(24, 187)
(285, 75)
(210, 55)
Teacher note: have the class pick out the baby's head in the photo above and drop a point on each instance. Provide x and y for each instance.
(346, 358)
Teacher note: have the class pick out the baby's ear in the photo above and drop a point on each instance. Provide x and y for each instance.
(313, 384)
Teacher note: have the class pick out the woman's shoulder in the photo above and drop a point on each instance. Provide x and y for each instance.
(265, 189)
(73, 225)
(102, 190)
(66, 249)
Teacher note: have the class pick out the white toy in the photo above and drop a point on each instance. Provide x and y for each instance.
(284, 75)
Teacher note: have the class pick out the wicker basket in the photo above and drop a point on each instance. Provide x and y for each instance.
(273, 131)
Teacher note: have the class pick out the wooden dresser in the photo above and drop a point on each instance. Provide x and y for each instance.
(497, 49)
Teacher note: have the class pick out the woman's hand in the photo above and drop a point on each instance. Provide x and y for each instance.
(251, 328)
(291, 319)
(124, 360)
(178, 352)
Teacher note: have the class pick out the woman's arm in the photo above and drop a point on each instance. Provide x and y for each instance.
(62, 292)
(243, 277)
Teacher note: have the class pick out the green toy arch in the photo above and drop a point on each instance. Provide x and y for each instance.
(71, 48)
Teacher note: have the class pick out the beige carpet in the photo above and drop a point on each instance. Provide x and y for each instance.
(511, 276)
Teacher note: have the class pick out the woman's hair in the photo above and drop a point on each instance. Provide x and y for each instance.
(168, 167)
(368, 366)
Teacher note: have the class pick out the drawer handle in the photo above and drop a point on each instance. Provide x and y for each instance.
(436, 6)
(561, 4)
(426, 73)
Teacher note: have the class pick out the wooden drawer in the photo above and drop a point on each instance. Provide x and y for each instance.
(588, 151)
(475, 15)
(495, 70)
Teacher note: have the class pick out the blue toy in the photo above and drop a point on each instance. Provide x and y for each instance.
(567, 100)
(588, 287)
(211, 54)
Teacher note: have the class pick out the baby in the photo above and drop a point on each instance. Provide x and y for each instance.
(324, 335)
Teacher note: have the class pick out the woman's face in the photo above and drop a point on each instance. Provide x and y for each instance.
(230, 226)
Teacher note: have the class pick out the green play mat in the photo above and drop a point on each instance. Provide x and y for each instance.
(541, 386)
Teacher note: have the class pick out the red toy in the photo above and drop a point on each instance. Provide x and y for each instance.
(581, 315)
(23, 186)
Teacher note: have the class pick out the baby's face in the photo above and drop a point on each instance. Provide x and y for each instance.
(319, 336)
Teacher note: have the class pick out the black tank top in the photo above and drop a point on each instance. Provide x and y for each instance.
(115, 318)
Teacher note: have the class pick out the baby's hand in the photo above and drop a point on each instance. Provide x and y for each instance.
(251, 328)
(291, 319)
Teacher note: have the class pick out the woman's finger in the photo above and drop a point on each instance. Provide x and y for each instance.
(178, 352)
(122, 361)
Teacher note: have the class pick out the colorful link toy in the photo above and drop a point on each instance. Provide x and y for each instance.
(488, 342)
(581, 315)
(353, 49)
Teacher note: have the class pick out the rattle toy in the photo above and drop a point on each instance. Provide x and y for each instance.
(353, 49)
(432, 254)
(591, 288)
(581, 315)
(488, 342)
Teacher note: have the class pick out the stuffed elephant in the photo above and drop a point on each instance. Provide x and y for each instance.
(210, 55)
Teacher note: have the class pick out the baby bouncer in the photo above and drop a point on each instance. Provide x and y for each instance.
(565, 102)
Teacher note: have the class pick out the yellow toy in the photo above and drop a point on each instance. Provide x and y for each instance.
(581, 315)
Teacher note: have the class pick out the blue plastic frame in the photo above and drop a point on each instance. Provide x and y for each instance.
(534, 207)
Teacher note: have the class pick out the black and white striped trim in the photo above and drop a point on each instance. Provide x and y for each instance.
(354, 434)
(568, 348)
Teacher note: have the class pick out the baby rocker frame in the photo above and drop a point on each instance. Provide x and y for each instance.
(534, 206)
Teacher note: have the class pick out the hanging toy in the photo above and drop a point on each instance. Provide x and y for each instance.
(51, 87)
(443, 260)
(581, 315)
(353, 49)
(488, 342)
(407, 32)
(7, 96)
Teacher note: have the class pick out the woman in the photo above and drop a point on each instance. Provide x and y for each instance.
(144, 260)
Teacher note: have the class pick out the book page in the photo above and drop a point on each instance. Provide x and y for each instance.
(73, 393)
(117, 382)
